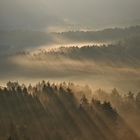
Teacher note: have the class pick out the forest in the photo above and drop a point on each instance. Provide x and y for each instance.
(67, 111)
(69, 69)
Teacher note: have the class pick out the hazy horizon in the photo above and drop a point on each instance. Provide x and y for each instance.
(60, 15)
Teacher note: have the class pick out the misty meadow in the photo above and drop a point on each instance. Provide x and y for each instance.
(69, 70)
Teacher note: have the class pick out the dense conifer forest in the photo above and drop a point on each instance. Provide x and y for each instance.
(66, 111)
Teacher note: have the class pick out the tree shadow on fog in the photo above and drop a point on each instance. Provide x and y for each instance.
(49, 111)
(125, 131)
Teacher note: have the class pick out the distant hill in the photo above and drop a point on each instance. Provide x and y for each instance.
(110, 34)
(123, 53)
(18, 39)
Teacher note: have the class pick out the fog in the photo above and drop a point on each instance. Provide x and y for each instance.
(69, 70)
(106, 58)
(63, 14)
(63, 110)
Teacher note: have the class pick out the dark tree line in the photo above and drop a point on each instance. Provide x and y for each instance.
(126, 104)
(124, 53)
(52, 112)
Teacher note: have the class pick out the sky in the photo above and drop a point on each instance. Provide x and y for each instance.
(71, 14)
